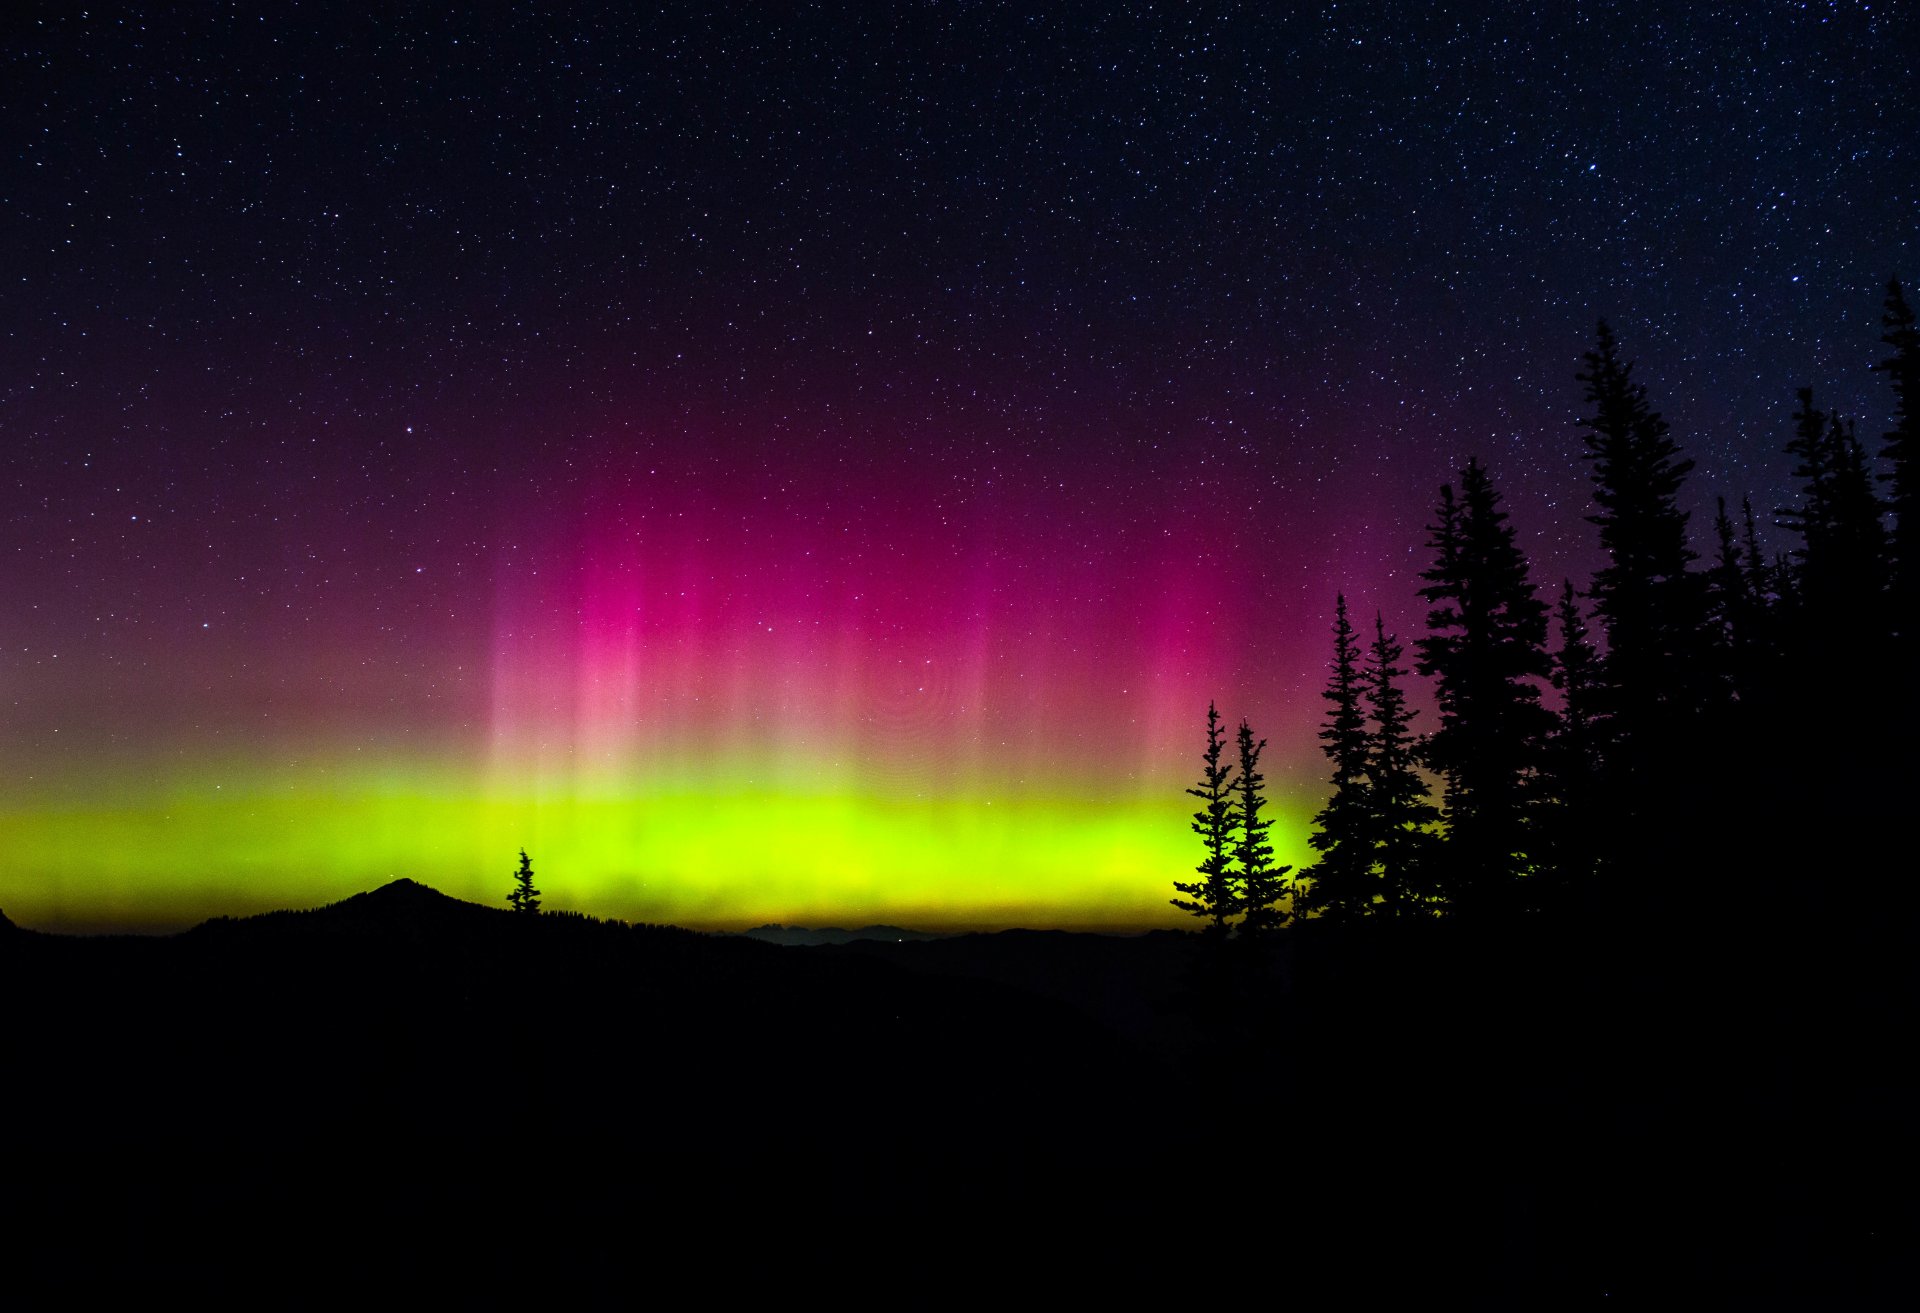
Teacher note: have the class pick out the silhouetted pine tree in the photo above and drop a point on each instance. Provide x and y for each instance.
(1784, 586)
(1573, 759)
(1342, 884)
(1758, 642)
(1759, 576)
(1576, 676)
(1486, 642)
(1648, 603)
(1212, 896)
(1841, 559)
(1730, 608)
(1726, 579)
(1808, 447)
(1902, 369)
(1860, 538)
(1831, 622)
(524, 897)
(1890, 794)
(1402, 818)
(1262, 884)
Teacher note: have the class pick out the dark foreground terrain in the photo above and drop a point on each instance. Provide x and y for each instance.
(403, 1083)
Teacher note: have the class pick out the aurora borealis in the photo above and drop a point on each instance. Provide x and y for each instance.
(819, 469)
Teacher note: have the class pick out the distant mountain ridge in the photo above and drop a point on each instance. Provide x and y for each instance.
(795, 936)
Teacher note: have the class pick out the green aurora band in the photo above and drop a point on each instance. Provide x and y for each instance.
(709, 854)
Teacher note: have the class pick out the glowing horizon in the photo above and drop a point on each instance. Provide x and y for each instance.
(258, 841)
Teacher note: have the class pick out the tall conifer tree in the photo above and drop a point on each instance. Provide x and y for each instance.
(1485, 645)
(1859, 537)
(1262, 884)
(1841, 559)
(1576, 676)
(1902, 452)
(1648, 603)
(1403, 818)
(1212, 897)
(1574, 759)
(1726, 578)
(1730, 608)
(1754, 564)
(1813, 518)
(1760, 645)
(1342, 883)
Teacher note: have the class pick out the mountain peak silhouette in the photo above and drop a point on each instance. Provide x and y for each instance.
(402, 902)
(401, 892)
(402, 906)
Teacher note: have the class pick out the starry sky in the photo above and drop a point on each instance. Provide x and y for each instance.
(816, 464)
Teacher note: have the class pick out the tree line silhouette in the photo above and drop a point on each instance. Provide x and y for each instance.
(1730, 735)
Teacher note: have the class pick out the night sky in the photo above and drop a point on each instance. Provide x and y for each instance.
(818, 468)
